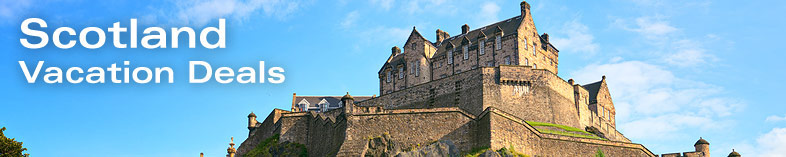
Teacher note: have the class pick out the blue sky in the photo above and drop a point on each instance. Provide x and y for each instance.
(677, 70)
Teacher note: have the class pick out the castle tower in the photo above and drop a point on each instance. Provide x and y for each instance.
(347, 100)
(734, 153)
(703, 146)
(252, 121)
(231, 150)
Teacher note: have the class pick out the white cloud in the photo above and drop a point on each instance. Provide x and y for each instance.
(11, 9)
(350, 19)
(652, 103)
(575, 37)
(669, 42)
(650, 27)
(770, 144)
(488, 14)
(384, 4)
(200, 12)
(773, 144)
(775, 118)
(688, 53)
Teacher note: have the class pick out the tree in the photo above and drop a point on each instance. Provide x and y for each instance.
(10, 147)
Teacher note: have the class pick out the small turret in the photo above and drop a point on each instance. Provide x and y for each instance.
(347, 99)
(252, 121)
(702, 146)
(734, 154)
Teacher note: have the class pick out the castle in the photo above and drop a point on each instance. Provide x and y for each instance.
(492, 87)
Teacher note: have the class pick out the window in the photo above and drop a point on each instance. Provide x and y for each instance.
(412, 68)
(388, 76)
(498, 41)
(450, 56)
(417, 68)
(400, 72)
(507, 60)
(490, 63)
(534, 52)
(482, 47)
(525, 43)
(534, 66)
(466, 51)
(526, 61)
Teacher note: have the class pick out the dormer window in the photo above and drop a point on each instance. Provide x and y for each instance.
(466, 51)
(498, 42)
(482, 47)
(303, 104)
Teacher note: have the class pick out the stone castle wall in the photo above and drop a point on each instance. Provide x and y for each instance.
(510, 131)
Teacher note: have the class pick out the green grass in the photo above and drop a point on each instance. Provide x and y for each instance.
(475, 152)
(265, 147)
(569, 131)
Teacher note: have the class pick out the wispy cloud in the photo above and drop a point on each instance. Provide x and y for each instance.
(384, 4)
(12, 9)
(575, 37)
(669, 41)
(200, 12)
(775, 118)
(350, 19)
(653, 103)
(488, 14)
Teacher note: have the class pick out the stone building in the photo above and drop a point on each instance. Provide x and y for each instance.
(493, 87)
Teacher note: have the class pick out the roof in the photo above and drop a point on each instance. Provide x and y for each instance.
(333, 100)
(593, 89)
(508, 26)
(734, 154)
(701, 141)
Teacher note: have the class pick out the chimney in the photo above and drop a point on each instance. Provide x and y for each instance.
(524, 8)
(395, 50)
(545, 36)
(442, 35)
(570, 81)
(294, 108)
(464, 29)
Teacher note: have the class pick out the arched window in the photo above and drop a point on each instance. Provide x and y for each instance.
(534, 66)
